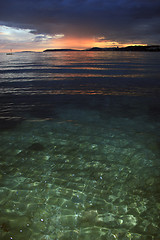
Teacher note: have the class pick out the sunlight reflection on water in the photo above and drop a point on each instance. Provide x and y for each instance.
(80, 146)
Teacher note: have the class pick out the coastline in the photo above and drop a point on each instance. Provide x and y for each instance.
(152, 48)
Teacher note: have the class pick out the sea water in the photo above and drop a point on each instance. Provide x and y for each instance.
(80, 146)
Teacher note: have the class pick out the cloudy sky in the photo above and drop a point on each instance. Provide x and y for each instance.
(40, 24)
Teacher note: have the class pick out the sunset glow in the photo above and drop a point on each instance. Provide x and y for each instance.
(74, 43)
(33, 26)
(25, 40)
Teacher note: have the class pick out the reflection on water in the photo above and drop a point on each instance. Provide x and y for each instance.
(80, 148)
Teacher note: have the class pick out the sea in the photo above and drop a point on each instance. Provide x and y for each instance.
(80, 146)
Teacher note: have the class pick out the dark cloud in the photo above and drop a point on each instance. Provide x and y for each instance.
(118, 20)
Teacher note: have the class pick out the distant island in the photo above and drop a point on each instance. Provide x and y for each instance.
(152, 48)
(61, 50)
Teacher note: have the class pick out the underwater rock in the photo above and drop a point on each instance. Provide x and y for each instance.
(89, 216)
(123, 209)
(109, 218)
(5, 227)
(129, 221)
(36, 147)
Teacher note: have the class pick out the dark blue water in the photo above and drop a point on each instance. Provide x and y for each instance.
(80, 146)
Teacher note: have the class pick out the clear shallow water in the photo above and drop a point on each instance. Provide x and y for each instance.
(80, 146)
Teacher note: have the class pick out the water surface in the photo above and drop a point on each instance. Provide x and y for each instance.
(80, 146)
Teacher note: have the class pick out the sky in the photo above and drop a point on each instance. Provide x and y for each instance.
(37, 25)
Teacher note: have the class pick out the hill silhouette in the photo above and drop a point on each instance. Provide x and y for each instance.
(139, 48)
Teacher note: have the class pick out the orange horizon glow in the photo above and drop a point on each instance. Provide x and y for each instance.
(75, 43)
(68, 43)
(84, 43)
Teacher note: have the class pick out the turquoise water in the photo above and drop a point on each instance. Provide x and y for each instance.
(80, 146)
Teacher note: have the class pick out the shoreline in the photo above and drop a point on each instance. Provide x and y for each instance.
(152, 48)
